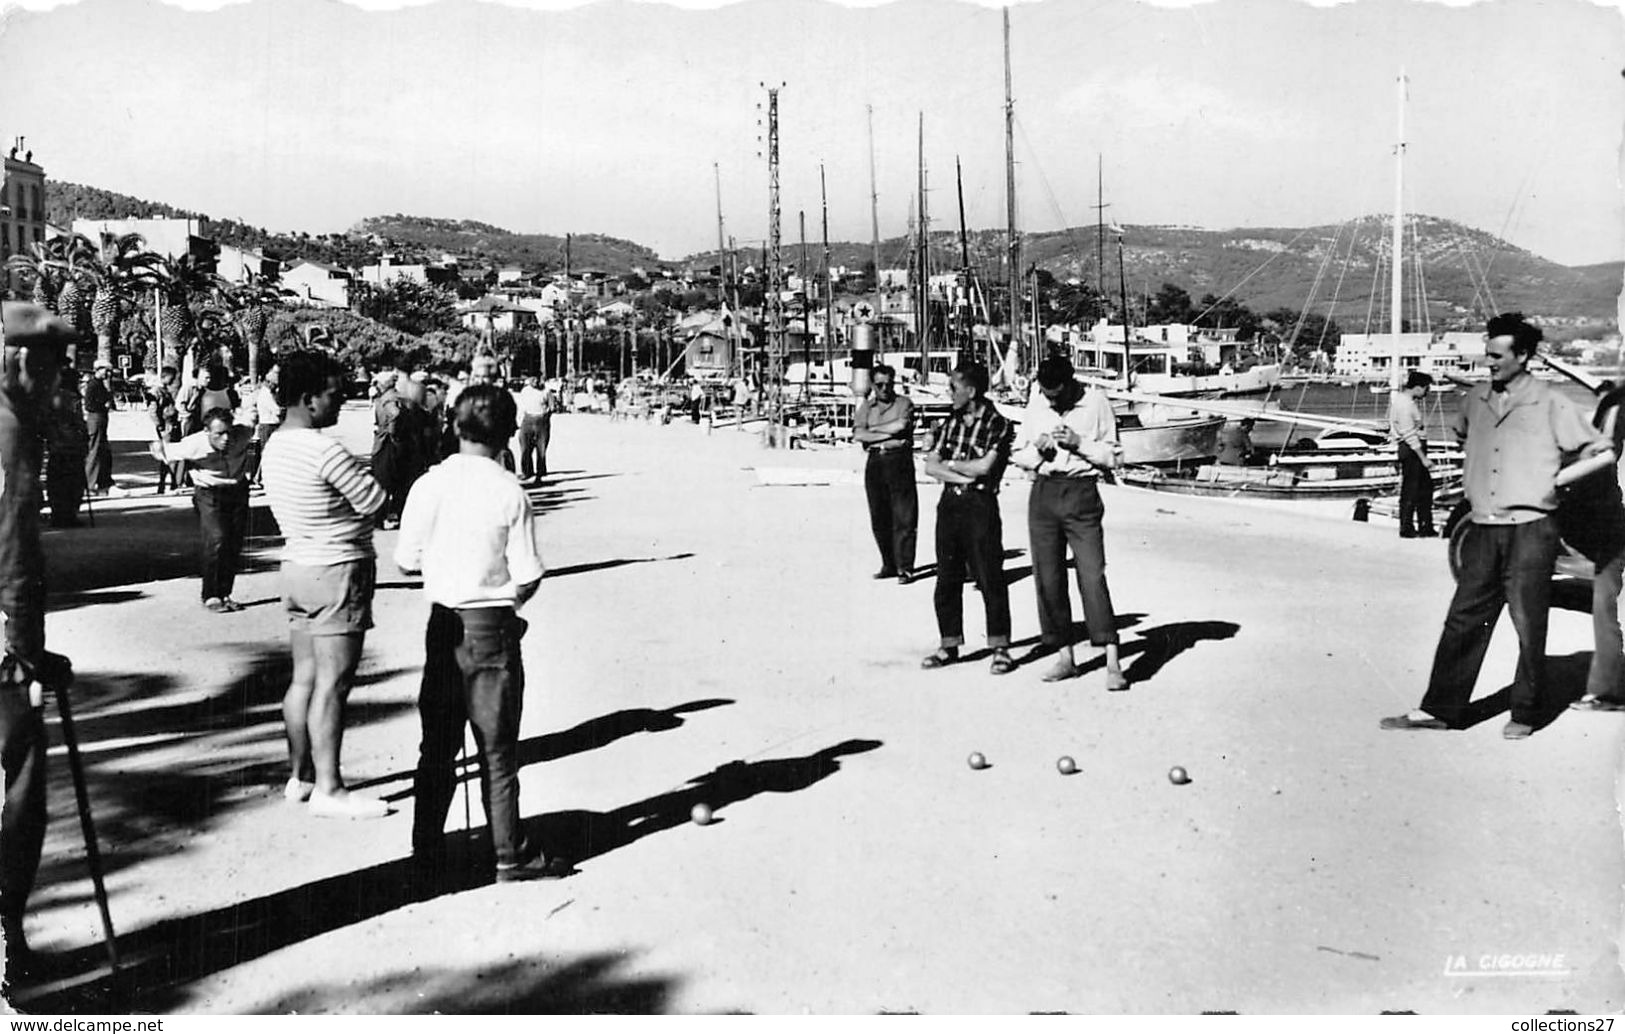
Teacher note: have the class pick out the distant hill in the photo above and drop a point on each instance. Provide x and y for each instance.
(504, 248)
(1467, 271)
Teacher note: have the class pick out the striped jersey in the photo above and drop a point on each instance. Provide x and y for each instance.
(321, 496)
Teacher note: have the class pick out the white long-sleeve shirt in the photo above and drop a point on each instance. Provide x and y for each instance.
(469, 527)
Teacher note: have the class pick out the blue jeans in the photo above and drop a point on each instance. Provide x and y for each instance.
(472, 674)
(1502, 565)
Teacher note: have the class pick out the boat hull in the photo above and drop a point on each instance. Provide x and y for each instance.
(1174, 443)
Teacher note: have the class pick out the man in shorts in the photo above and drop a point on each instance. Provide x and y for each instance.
(324, 501)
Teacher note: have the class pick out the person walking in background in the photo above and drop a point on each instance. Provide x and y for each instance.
(215, 391)
(30, 366)
(884, 426)
(99, 455)
(325, 502)
(267, 416)
(469, 529)
(165, 412)
(1408, 433)
(1068, 437)
(1591, 519)
(401, 437)
(1516, 431)
(67, 445)
(536, 405)
(220, 459)
(969, 459)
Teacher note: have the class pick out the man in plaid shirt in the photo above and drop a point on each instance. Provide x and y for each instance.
(969, 459)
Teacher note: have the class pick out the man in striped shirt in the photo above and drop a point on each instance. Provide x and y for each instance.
(324, 502)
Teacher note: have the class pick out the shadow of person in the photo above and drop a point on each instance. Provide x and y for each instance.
(1565, 682)
(589, 735)
(580, 835)
(1158, 645)
(1079, 633)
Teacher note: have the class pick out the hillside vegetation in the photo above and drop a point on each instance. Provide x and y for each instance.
(1335, 270)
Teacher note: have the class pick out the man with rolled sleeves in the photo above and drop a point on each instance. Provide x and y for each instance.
(1515, 431)
(884, 426)
(29, 372)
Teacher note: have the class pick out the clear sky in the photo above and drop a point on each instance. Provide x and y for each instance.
(608, 117)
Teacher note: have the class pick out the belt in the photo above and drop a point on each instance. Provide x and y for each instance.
(1069, 477)
(975, 486)
(898, 447)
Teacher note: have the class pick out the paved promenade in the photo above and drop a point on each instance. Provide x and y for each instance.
(700, 637)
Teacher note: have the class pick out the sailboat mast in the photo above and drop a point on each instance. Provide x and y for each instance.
(874, 216)
(1128, 350)
(1100, 226)
(829, 282)
(1013, 270)
(964, 263)
(1397, 284)
(722, 266)
(922, 320)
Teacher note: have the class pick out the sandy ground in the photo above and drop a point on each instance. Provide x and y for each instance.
(700, 637)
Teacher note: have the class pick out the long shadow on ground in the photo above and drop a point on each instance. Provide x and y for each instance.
(589, 735)
(132, 546)
(163, 958)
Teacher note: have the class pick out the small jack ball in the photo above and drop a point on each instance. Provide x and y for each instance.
(701, 814)
(976, 761)
(1178, 776)
(1066, 765)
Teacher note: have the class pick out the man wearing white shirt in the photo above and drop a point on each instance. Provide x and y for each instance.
(469, 528)
(1408, 434)
(1067, 437)
(536, 405)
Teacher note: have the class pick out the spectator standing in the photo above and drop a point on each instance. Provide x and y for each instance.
(1592, 521)
(1516, 431)
(167, 427)
(324, 502)
(1409, 435)
(884, 426)
(30, 366)
(98, 404)
(536, 405)
(969, 459)
(67, 444)
(469, 528)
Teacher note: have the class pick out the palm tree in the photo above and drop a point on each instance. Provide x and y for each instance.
(127, 270)
(41, 266)
(249, 304)
(181, 282)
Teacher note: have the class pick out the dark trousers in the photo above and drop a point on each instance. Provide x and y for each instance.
(22, 820)
(970, 543)
(1415, 492)
(534, 434)
(99, 460)
(222, 517)
(894, 506)
(1506, 565)
(472, 673)
(1062, 513)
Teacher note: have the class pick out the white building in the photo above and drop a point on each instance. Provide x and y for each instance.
(170, 238)
(1370, 357)
(317, 283)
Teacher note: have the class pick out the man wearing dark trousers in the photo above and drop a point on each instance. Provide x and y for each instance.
(30, 366)
(1515, 431)
(884, 426)
(1068, 436)
(969, 459)
(1409, 435)
(99, 458)
(221, 460)
(469, 528)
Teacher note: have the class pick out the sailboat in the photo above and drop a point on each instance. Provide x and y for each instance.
(1351, 465)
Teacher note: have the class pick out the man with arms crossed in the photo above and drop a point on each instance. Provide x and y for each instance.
(884, 426)
(469, 528)
(324, 502)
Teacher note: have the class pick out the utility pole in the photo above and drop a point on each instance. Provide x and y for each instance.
(829, 282)
(922, 300)
(775, 314)
(1013, 267)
